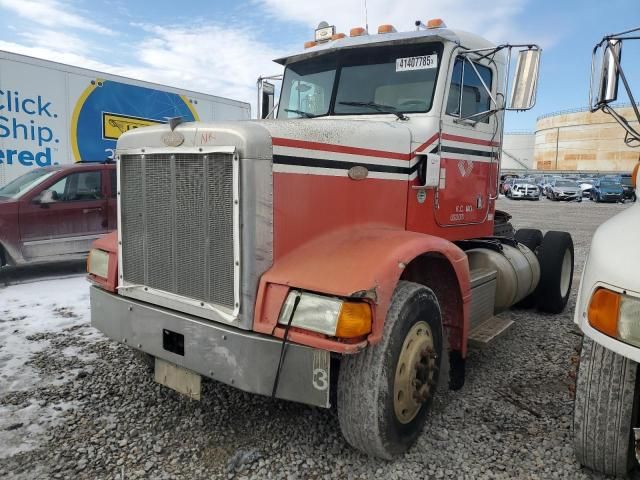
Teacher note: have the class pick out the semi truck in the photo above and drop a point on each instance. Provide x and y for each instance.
(55, 114)
(605, 416)
(343, 253)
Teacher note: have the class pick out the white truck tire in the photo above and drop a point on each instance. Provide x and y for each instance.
(605, 410)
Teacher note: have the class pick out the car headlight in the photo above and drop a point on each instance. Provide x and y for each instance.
(98, 263)
(615, 314)
(329, 315)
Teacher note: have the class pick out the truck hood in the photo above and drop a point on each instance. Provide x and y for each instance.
(615, 257)
(257, 139)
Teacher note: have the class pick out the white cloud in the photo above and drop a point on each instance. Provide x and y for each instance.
(53, 14)
(55, 40)
(494, 20)
(213, 59)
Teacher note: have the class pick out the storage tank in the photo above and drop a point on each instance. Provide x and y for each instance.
(581, 140)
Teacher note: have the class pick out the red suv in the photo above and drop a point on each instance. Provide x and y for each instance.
(55, 213)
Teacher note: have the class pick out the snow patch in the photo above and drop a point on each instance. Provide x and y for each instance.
(30, 312)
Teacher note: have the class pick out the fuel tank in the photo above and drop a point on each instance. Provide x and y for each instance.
(517, 272)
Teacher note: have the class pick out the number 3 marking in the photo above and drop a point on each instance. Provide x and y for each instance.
(320, 379)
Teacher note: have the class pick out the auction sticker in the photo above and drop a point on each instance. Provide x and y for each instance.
(421, 62)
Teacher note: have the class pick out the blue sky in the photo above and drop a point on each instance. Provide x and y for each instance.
(220, 47)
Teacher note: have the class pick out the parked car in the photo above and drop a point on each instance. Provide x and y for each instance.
(586, 184)
(523, 190)
(607, 190)
(55, 213)
(561, 189)
(629, 189)
(506, 185)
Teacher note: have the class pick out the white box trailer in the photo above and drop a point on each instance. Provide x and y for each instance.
(51, 113)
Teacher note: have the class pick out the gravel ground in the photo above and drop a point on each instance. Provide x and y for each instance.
(109, 419)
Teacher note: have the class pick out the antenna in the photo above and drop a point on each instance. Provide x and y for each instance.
(366, 17)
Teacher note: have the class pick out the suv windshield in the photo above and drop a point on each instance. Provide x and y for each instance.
(25, 182)
(372, 80)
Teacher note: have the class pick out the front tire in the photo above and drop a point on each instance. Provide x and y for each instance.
(556, 271)
(605, 410)
(385, 391)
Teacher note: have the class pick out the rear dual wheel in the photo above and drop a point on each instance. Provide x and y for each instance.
(385, 391)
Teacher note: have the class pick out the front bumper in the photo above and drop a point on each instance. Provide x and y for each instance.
(568, 196)
(242, 359)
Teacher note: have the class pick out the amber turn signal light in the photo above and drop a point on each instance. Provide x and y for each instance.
(354, 320)
(603, 311)
(634, 176)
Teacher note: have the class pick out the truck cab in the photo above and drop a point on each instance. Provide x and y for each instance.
(606, 433)
(336, 253)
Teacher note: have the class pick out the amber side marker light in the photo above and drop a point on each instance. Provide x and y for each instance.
(354, 320)
(603, 311)
(634, 176)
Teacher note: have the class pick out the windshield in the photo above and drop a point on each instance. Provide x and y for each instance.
(390, 79)
(609, 185)
(565, 183)
(25, 182)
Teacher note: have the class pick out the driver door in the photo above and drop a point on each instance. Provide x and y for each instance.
(469, 148)
(74, 215)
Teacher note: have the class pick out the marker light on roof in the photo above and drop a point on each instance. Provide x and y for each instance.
(386, 28)
(324, 32)
(338, 36)
(357, 31)
(436, 23)
(310, 44)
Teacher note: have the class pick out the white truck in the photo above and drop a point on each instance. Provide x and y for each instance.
(53, 114)
(608, 305)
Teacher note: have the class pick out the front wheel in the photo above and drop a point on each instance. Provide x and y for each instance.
(385, 391)
(605, 410)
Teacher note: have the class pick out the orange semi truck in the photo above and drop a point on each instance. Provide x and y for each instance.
(342, 252)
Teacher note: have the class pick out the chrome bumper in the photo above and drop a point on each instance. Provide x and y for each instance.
(242, 359)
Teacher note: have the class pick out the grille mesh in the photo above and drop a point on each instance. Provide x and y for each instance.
(177, 224)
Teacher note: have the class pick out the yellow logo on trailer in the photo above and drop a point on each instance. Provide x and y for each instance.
(114, 125)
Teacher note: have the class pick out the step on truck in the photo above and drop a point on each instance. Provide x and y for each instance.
(343, 252)
(605, 416)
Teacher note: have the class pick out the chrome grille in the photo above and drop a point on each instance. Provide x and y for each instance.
(177, 224)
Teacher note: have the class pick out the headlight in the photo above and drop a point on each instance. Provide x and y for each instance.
(329, 315)
(616, 315)
(98, 263)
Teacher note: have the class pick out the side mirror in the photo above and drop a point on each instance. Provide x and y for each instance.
(267, 94)
(47, 197)
(609, 72)
(525, 81)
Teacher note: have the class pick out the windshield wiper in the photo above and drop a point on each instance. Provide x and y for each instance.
(379, 107)
(301, 113)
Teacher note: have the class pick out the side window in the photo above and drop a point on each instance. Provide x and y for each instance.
(78, 186)
(473, 98)
(114, 183)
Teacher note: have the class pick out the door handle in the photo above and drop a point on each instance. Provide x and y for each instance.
(95, 209)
